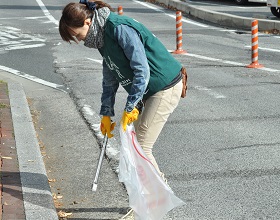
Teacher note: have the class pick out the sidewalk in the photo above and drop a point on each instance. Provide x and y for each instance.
(10, 185)
(25, 191)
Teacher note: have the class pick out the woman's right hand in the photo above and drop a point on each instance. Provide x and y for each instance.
(107, 126)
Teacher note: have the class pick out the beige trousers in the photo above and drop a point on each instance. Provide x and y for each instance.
(156, 112)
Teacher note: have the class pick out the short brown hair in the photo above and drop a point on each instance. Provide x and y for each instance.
(74, 15)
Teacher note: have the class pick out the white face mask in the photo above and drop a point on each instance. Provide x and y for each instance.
(95, 35)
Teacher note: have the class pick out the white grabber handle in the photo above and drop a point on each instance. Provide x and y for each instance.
(101, 156)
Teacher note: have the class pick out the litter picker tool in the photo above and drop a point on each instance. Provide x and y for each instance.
(101, 156)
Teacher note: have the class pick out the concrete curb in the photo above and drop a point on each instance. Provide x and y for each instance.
(37, 196)
(222, 19)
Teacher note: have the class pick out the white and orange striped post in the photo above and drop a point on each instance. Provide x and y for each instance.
(255, 46)
(179, 34)
(120, 10)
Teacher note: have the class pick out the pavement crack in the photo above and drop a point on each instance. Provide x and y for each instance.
(249, 146)
(246, 173)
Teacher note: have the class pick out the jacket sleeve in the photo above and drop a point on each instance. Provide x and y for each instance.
(110, 86)
(133, 48)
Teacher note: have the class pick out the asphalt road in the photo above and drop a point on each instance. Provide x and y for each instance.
(219, 150)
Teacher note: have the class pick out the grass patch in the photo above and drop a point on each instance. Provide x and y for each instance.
(3, 105)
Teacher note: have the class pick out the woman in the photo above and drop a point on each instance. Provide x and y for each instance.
(134, 58)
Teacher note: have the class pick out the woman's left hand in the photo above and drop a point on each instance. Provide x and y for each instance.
(129, 117)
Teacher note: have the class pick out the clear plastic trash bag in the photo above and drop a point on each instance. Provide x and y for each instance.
(149, 196)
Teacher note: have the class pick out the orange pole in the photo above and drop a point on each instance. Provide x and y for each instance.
(255, 46)
(179, 34)
(120, 10)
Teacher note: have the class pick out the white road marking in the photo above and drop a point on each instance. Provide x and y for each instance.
(21, 41)
(87, 109)
(24, 46)
(227, 30)
(34, 18)
(171, 15)
(210, 92)
(12, 39)
(32, 78)
(267, 49)
(46, 12)
(97, 61)
(228, 62)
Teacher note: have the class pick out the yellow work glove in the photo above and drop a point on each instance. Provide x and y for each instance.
(129, 117)
(107, 126)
